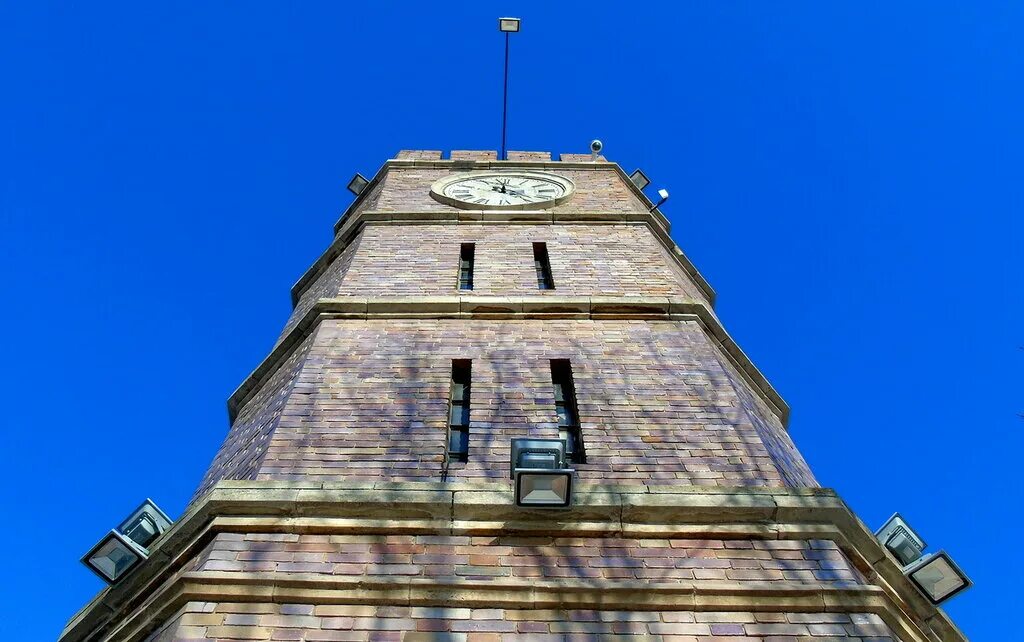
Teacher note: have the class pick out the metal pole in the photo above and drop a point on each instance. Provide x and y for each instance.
(504, 108)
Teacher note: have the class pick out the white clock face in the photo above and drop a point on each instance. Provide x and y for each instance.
(503, 190)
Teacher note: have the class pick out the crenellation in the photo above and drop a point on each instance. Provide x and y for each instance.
(463, 154)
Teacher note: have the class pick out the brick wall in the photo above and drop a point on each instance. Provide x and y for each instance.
(242, 452)
(423, 260)
(597, 190)
(655, 401)
(326, 286)
(367, 399)
(333, 622)
(542, 558)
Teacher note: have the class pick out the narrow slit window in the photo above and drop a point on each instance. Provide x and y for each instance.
(458, 420)
(466, 266)
(540, 261)
(568, 413)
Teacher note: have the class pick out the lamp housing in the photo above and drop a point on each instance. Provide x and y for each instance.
(543, 487)
(357, 184)
(937, 576)
(126, 546)
(114, 556)
(901, 540)
(508, 25)
(145, 524)
(540, 475)
(663, 193)
(640, 179)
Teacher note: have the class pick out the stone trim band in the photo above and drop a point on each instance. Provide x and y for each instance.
(210, 586)
(161, 585)
(533, 307)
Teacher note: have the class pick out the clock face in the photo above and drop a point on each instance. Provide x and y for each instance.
(504, 190)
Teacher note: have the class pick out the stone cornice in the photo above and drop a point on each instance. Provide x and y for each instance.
(527, 307)
(352, 220)
(158, 587)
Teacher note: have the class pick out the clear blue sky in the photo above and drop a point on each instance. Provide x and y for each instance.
(847, 177)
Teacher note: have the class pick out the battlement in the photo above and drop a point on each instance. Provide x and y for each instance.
(491, 155)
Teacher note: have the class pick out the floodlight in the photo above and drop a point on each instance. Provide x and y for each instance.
(357, 184)
(541, 477)
(543, 488)
(663, 193)
(901, 540)
(508, 25)
(640, 179)
(125, 547)
(938, 577)
(145, 524)
(113, 556)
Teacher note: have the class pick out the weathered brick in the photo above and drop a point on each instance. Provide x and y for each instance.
(361, 397)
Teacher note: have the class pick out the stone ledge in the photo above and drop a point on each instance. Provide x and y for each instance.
(446, 509)
(209, 586)
(526, 307)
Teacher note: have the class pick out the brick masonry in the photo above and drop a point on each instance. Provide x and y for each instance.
(334, 622)
(243, 450)
(597, 190)
(369, 401)
(423, 260)
(366, 399)
(542, 558)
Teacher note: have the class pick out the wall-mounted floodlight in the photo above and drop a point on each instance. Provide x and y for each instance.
(938, 577)
(663, 193)
(124, 548)
(113, 556)
(640, 179)
(357, 184)
(508, 25)
(901, 540)
(540, 474)
(145, 524)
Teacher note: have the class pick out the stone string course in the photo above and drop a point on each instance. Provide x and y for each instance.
(423, 260)
(337, 622)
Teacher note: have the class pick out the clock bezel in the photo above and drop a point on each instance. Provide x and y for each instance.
(437, 190)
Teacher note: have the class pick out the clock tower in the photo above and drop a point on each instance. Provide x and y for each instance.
(363, 490)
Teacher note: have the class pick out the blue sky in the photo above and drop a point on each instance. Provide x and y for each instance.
(847, 176)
